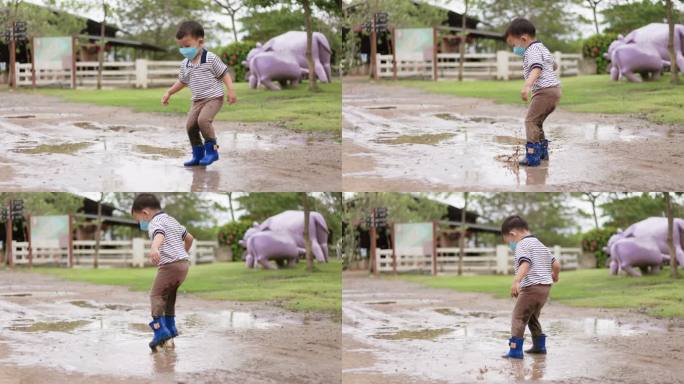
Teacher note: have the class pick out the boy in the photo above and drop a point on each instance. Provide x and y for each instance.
(541, 80)
(535, 271)
(205, 74)
(169, 250)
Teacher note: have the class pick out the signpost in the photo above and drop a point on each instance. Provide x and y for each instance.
(13, 211)
(17, 32)
(378, 23)
(377, 219)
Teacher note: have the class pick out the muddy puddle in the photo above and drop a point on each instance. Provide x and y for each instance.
(92, 337)
(419, 339)
(114, 149)
(464, 144)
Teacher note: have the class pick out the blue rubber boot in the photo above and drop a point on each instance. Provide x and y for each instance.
(211, 153)
(538, 345)
(170, 322)
(515, 344)
(161, 333)
(197, 155)
(545, 150)
(533, 152)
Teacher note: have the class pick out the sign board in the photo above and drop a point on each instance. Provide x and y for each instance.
(414, 239)
(53, 53)
(50, 231)
(414, 44)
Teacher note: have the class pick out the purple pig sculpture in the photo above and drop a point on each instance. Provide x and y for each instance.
(644, 51)
(279, 56)
(644, 245)
(281, 238)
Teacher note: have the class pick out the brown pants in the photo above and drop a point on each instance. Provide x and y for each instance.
(200, 119)
(544, 101)
(530, 301)
(163, 295)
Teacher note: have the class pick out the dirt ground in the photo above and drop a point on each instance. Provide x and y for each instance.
(53, 145)
(400, 332)
(52, 331)
(397, 139)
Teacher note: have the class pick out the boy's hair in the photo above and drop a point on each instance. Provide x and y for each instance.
(192, 28)
(519, 27)
(145, 200)
(513, 222)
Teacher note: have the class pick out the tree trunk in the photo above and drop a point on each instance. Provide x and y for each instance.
(232, 22)
(670, 44)
(670, 242)
(100, 55)
(462, 235)
(461, 45)
(307, 235)
(98, 232)
(593, 8)
(230, 206)
(309, 45)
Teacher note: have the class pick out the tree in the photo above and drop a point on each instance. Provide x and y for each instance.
(98, 230)
(623, 210)
(100, 53)
(232, 7)
(461, 48)
(625, 17)
(462, 235)
(670, 43)
(670, 242)
(230, 205)
(593, 4)
(592, 197)
(307, 235)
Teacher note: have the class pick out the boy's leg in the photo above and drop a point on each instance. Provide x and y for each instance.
(180, 271)
(543, 103)
(192, 124)
(524, 307)
(206, 115)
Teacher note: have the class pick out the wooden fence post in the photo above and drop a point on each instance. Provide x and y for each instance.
(141, 73)
(558, 254)
(138, 249)
(558, 56)
(193, 253)
(501, 259)
(502, 66)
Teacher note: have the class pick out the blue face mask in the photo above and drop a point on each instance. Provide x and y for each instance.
(188, 52)
(144, 225)
(520, 51)
(512, 245)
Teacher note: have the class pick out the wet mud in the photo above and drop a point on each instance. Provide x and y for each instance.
(399, 138)
(59, 146)
(75, 332)
(443, 336)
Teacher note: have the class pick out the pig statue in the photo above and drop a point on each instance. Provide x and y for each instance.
(279, 55)
(644, 51)
(644, 245)
(281, 237)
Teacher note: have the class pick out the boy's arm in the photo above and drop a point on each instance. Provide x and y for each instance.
(154, 249)
(232, 99)
(177, 86)
(534, 75)
(188, 241)
(555, 270)
(523, 268)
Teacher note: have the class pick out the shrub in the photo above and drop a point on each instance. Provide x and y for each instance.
(595, 46)
(594, 240)
(234, 54)
(230, 234)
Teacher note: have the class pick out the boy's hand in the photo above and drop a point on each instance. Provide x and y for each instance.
(515, 289)
(165, 98)
(154, 256)
(524, 93)
(231, 98)
(554, 276)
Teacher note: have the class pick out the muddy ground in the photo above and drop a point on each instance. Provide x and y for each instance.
(52, 331)
(397, 139)
(53, 145)
(398, 332)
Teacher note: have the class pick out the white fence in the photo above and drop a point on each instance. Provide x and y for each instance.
(502, 65)
(476, 260)
(141, 73)
(115, 253)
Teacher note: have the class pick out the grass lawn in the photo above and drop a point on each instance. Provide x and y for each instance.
(657, 101)
(657, 295)
(293, 289)
(296, 109)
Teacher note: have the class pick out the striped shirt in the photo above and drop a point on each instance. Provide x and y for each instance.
(173, 247)
(538, 56)
(532, 251)
(205, 78)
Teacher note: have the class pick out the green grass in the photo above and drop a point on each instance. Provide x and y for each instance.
(296, 108)
(291, 288)
(658, 101)
(655, 295)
